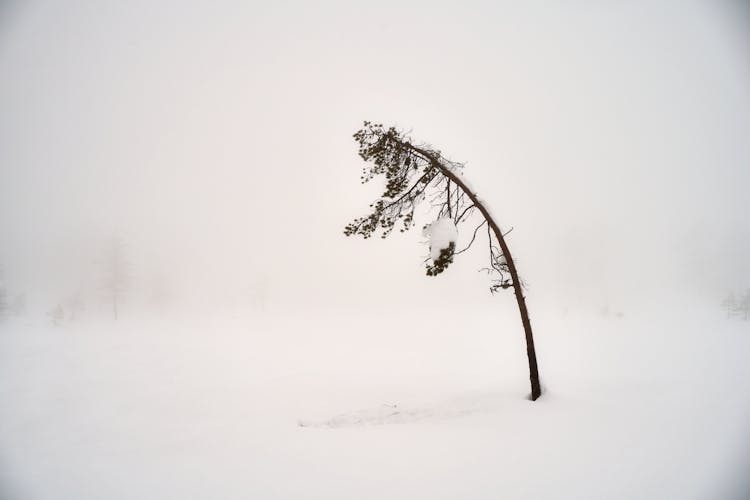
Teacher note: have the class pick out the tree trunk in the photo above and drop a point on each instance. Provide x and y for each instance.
(536, 390)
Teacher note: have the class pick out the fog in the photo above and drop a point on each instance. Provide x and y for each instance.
(214, 139)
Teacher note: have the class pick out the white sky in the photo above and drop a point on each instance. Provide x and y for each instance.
(215, 137)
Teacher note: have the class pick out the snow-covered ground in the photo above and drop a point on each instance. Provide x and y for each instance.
(647, 406)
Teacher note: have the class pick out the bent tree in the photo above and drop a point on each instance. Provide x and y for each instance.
(416, 173)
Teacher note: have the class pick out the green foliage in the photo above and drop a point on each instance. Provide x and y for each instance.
(389, 153)
(443, 261)
(412, 173)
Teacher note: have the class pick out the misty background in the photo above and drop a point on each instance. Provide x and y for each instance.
(206, 147)
(215, 140)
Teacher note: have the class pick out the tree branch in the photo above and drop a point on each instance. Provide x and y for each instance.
(473, 237)
(458, 219)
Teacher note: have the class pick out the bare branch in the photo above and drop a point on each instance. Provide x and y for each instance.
(473, 237)
(458, 219)
(448, 192)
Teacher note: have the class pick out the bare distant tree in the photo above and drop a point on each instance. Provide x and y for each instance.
(729, 304)
(260, 292)
(75, 305)
(19, 304)
(56, 315)
(743, 306)
(116, 273)
(161, 293)
(3, 300)
(417, 173)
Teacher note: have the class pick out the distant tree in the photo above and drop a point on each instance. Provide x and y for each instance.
(57, 315)
(75, 305)
(18, 307)
(3, 300)
(3, 295)
(729, 304)
(743, 305)
(161, 294)
(260, 292)
(116, 276)
(415, 173)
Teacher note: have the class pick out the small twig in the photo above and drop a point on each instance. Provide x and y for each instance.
(458, 219)
(472, 238)
(448, 190)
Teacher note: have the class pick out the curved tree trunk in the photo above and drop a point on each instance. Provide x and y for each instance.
(536, 390)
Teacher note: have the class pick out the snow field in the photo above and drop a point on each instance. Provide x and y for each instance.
(331, 406)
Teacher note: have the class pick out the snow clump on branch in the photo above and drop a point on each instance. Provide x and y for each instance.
(442, 235)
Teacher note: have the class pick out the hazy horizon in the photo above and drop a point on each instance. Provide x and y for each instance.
(215, 139)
